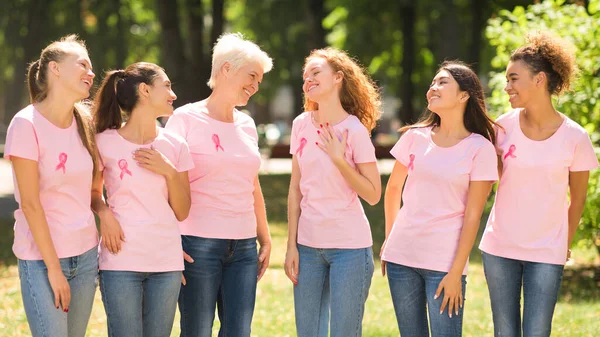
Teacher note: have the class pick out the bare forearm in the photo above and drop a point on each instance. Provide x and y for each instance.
(262, 226)
(465, 245)
(179, 197)
(293, 216)
(98, 204)
(38, 225)
(359, 183)
(575, 212)
(392, 200)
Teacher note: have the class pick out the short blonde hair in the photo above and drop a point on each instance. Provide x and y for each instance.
(232, 48)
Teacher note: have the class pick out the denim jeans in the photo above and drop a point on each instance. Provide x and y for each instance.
(540, 283)
(224, 274)
(336, 282)
(413, 291)
(38, 298)
(139, 304)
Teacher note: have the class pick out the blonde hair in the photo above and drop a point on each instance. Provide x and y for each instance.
(359, 95)
(37, 81)
(232, 48)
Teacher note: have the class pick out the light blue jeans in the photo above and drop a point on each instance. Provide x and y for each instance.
(336, 282)
(540, 283)
(140, 304)
(45, 320)
(413, 291)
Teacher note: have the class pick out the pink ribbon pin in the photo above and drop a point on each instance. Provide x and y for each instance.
(511, 152)
(411, 164)
(303, 142)
(62, 160)
(123, 165)
(217, 141)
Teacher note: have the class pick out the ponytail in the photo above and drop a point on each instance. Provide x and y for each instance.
(36, 92)
(107, 113)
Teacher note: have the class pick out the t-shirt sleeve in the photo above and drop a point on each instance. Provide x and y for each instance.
(294, 136)
(584, 158)
(21, 140)
(363, 150)
(401, 150)
(485, 163)
(184, 159)
(178, 124)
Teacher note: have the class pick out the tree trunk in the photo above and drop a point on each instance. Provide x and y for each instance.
(478, 17)
(173, 53)
(218, 21)
(199, 53)
(315, 14)
(407, 17)
(33, 42)
(449, 39)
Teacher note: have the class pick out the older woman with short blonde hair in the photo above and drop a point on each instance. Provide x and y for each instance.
(227, 215)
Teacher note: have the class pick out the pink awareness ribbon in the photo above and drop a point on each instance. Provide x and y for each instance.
(123, 165)
(62, 160)
(411, 164)
(217, 141)
(303, 142)
(511, 152)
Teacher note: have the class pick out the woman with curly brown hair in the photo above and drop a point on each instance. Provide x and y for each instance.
(543, 157)
(329, 256)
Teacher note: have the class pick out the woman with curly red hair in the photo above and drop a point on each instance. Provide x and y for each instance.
(543, 157)
(329, 256)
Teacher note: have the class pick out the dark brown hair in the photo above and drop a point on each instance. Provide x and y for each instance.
(359, 95)
(551, 55)
(476, 119)
(118, 94)
(37, 82)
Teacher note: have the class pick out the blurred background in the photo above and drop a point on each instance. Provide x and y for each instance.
(400, 42)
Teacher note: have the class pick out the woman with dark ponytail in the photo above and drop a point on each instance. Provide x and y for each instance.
(544, 158)
(449, 164)
(144, 169)
(51, 145)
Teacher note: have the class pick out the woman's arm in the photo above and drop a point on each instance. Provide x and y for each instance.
(294, 199)
(177, 182)
(366, 181)
(578, 185)
(451, 284)
(392, 201)
(28, 182)
(262, 229)
(110, 229)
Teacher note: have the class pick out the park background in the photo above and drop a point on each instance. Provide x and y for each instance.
(400, 42)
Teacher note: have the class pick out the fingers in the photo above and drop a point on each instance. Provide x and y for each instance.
(262, 268)
(444, 304)
(65, 297)
(187, 258)
(182, 279)
(56, 298)
(345, 138)
(383, 268)
(451, 306)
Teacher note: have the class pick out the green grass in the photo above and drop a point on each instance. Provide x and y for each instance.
(577, 313)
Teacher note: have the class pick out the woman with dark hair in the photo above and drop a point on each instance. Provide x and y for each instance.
(449, 164)
(144, 169)
(544, 156)
(51, 145)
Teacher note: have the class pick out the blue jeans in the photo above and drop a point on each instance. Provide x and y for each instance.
(336, 280)
(540, 283)
(139, 304)
(38, 298)
(224, 274)
(412, 291)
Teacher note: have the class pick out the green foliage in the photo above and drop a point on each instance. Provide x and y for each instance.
(507, 31)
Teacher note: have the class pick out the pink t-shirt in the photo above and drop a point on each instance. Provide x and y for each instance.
(65, 181)
(529, 219)
(331, 213)
(222, 183)
(427, 229)
(139, 199)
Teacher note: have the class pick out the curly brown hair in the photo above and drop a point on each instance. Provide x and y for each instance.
(544, 52)
(359, 95)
